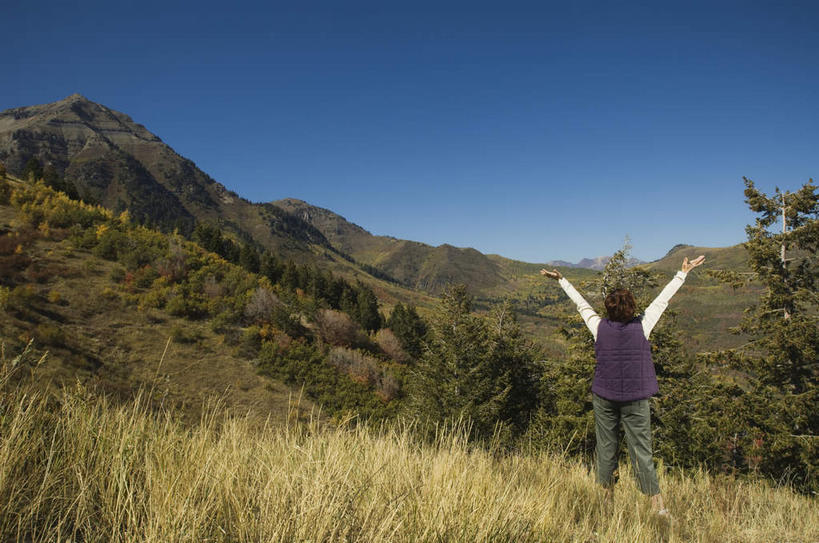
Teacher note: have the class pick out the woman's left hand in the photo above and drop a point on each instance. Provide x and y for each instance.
(688, 266)
(554, 274)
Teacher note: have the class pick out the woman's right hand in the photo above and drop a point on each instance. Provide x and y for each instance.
(554, 274)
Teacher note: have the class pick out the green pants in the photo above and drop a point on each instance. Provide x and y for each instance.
(636, 419)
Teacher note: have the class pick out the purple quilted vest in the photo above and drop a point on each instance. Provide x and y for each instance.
(624, 371)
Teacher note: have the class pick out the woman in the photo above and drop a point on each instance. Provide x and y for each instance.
(624, 378)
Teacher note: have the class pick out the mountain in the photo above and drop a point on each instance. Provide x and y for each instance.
(597, 263)
(411, 263)
(116, 162)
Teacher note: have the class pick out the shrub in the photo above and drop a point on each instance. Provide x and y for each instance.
(39, 273)
(387, 386)
(263, 302)
(250, 342)
(187, 306)
(145, 276)
(50, 334)
(4, 296)
(21, 297)
(391, 345)
(287, 322)
(211, 287)
(117, 274)
(359, 366)
(337, 328)
(184, 334)
(173, 265)
(109, 294)
(301, 363)
(155, 298)
(5, 191)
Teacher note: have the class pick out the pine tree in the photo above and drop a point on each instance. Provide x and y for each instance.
(270, 267)
(33, 169)
(472, 371)
(409, 328)
(780, 360)
(783, 324)
(249, 258)
(367, 309)
(512, 359)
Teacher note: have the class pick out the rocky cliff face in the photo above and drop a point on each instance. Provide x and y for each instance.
(117, 162)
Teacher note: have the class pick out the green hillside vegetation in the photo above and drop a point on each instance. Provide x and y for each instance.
(88, 286)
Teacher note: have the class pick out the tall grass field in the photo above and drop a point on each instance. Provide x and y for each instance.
(76, 467)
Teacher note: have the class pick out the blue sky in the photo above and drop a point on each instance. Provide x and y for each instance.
(537, 131)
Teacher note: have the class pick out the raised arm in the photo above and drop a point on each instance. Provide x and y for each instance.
(655, 310)
(590, 317)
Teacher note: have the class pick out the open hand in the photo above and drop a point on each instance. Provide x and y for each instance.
(554, 274)
(688, 266)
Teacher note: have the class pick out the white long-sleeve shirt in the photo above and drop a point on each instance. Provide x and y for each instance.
(649, 318)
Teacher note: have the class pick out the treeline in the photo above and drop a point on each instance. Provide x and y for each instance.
(357, 300)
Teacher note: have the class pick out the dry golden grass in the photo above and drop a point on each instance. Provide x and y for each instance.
(76, 468)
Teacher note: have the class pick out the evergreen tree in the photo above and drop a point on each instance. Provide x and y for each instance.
(249, 258)
(471, 371)
(367, 313)
(209, 237)
(409, 328)
(319, 285)
(348, 302)
(512, 358)
(783, 324)
(33, 169)
(290, 276)
(780, 360)
(270, 267)
(2, 171)
(51, 177)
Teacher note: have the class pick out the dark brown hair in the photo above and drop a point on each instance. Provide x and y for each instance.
(620, 305)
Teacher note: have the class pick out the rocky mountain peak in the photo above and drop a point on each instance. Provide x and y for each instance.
(76, 97)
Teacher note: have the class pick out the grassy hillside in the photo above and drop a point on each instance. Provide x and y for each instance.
(69, 305)
(79, 469)
(708, 308)
(121, 306)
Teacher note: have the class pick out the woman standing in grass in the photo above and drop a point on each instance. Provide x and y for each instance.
(624, 378)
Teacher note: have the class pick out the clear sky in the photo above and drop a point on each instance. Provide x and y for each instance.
(539, 131)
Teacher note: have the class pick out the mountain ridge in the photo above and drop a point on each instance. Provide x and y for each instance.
(114, 161)
(119, 163)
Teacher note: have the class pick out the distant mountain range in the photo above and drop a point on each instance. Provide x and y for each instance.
(114, 161)
(597, 263)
